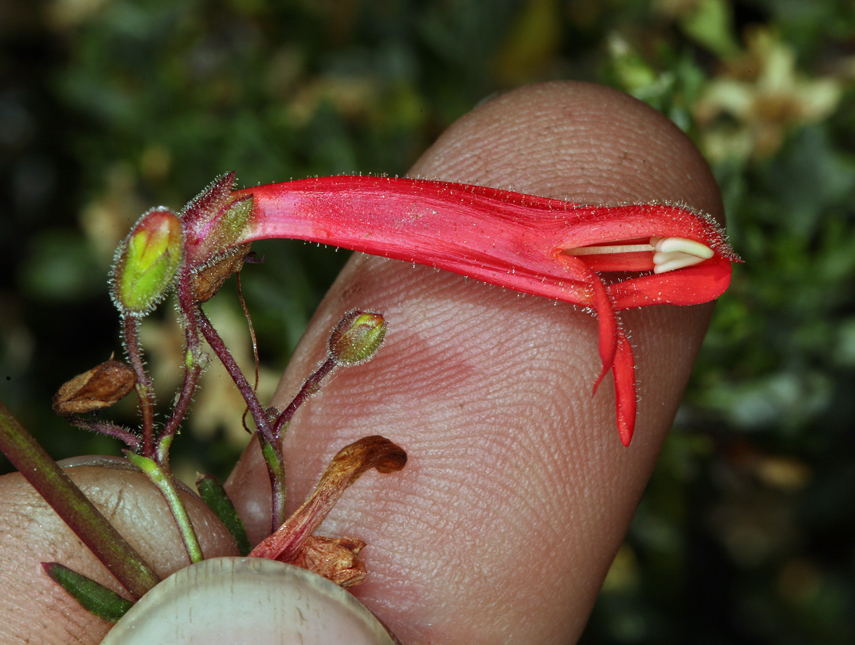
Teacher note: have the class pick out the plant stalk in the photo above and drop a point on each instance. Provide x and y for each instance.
(162, 478)
(270, 444)
(144, 388)
(311, 386)
(75, 509)
(272, 454)
(258, 413)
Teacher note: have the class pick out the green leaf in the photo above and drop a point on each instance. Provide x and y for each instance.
(92, 596)
(214, 495)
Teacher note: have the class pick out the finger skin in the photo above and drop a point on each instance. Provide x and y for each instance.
(34, 609)
(518, 491)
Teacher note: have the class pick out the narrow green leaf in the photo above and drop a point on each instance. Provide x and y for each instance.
(214, 495)
(92, 596)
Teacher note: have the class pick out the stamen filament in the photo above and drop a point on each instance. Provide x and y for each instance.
(616, 248)
(669, 253)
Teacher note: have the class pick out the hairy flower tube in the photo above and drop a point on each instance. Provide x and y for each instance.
(546, 247)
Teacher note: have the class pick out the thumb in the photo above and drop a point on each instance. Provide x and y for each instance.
(33, 608)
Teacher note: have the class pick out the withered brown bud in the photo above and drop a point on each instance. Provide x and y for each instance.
(208, 280)
(349, 463)
(336, 559)
(100, 387)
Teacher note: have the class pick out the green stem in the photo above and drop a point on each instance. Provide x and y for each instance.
(276, 471)
(162, 478)
(75, 509)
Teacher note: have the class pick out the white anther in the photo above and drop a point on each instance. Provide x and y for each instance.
(674, 253)
(682, 245)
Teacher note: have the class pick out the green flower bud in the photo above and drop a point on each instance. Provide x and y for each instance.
(146, 262)
(357, 337)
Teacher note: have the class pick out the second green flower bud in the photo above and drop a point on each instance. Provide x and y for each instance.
(357, 337)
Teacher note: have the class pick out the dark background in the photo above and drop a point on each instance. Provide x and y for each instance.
(746, 533)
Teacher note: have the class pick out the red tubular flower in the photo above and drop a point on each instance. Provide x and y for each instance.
(545, 247)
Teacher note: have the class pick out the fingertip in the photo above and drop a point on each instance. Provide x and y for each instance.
(36, 609)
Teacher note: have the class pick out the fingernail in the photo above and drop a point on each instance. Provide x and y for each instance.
(236, 600)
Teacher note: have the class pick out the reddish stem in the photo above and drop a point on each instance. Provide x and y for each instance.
(310, 387)
(192, 363)
(270, 443)
(144, 388)
(228, 361)
(107, 428)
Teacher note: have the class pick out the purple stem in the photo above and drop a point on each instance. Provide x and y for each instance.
(258, 413)
(109, 429)
(270, 443)
(192, 366)
(310, 388)
(144, 389)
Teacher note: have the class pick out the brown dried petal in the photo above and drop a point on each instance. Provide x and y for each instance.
(336, 559)
(208, 280)
(98, 388)
(345, 468)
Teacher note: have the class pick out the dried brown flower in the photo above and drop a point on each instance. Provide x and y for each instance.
(291, 541)
(336, 559)
(98, 388)
(208, 280)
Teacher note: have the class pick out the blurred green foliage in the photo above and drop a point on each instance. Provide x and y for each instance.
(746, 534)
